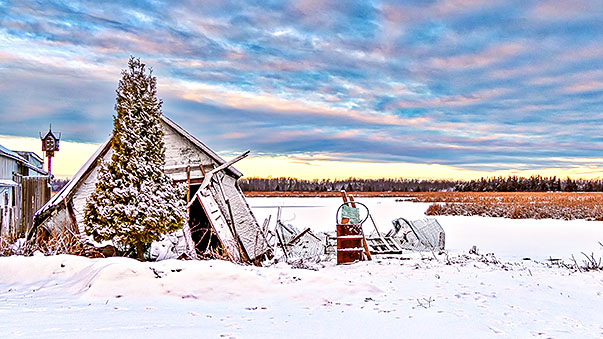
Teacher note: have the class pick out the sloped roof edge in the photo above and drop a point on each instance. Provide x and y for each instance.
(201, 145)
(7, 182)
(37, 169)
(78, 177)
(33, 154)
(6, 152)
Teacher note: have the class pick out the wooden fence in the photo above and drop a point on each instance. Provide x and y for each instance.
(7, 219)
(31, 194)
(35, 193)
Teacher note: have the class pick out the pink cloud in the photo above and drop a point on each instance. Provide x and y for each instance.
(592, 51)
(555, 10)
(458, 6)
(593, 85)
(457, 100)
(508, 73)
(7, 57)
(401, 14)
(349, 133)
(485, 58)
(407, 14)
(262, 101)
(282, 136)
(235, 135)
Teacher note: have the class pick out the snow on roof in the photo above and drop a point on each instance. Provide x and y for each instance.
(8, 153)
(35, 168)
(5, 182)
(31, 154)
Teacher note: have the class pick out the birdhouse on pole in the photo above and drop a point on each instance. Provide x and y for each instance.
(50, 144)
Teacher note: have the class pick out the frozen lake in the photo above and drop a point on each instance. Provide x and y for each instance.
(509, 239)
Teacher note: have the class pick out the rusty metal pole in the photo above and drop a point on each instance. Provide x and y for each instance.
(49, 155)
(188, 184)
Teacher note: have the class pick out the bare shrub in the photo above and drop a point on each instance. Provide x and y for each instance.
(48, 243)
(591, 263)
(11, 245)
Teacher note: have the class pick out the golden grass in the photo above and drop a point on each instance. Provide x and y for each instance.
(522, 205)
(325, 194)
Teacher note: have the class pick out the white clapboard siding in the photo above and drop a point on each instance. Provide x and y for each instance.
(180, 151)
(84, 190)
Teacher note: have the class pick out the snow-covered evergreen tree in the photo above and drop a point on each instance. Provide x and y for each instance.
(135, 202)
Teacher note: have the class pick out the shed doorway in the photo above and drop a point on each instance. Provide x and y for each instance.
(206, 242)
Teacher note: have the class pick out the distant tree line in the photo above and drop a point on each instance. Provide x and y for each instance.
(350, 184)
(498, 184)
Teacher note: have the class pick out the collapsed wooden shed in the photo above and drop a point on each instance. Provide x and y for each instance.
(220, 217)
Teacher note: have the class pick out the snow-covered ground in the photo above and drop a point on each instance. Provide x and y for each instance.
(391, 297)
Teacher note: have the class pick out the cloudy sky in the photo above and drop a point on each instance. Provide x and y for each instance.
(403, 88)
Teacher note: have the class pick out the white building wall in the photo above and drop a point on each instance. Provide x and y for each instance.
(84, 191)
(179, 151)
(8, 166)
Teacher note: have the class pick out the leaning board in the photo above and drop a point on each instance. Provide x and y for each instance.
(218, 222)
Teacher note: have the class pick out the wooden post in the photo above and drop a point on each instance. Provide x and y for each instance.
(352, 201)
(188, 185)
(50, 166)
(345, 199)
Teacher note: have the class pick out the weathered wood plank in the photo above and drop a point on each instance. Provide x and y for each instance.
(84, 191)
(218, 222)
(35, 193)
